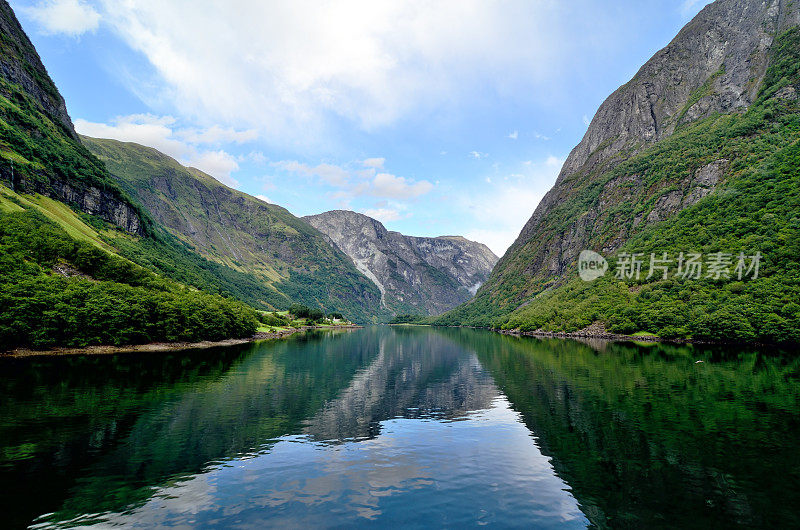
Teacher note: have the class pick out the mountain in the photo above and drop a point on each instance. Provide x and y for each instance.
(38, 144)
(698, 153)
(259, 240)
(420, 275)
(62, 280)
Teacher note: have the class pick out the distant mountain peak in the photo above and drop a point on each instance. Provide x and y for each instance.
(426, 275)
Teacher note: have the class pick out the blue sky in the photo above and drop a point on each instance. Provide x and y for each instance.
(447, 117)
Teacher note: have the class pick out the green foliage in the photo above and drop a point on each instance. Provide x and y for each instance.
(301, 311)
(112, 302)
(170, 257)
(43, 152)
(274, 320)
(407, 318)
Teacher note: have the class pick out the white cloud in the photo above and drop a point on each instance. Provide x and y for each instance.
(294, 70)
(329, 173)
(265, 199)
(554, 162)
(514, 135)
(388, 185)
(159, 132)
(218, 164)
(586, 120)
(477, 155)
(374, 162)
(498, 241)
(71, 17)
(506, 206)
(257, 157)
(383, 215)
(218, 135)
(350, 183)
(541, 136)
(145, 129)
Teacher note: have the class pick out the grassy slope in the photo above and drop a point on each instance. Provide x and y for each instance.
(111, 301)
(754, 208)
(259, 241)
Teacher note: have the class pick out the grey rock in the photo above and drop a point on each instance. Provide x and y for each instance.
(89, 199)
(20, 64)
(414, 274)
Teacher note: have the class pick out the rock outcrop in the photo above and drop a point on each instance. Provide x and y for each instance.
(20, 64)
(426, 275)
(42, 153)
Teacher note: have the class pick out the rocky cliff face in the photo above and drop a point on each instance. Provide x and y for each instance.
(21, 65)
(414, 274)
(715, 65)
(41, 152)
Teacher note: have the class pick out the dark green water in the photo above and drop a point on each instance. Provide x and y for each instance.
(413, 426)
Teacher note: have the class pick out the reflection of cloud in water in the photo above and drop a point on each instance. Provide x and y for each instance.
(433, 378)
(409, 472)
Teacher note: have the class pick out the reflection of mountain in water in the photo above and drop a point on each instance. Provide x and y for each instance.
(646, 438)
(642, 435)
(429, 376)
(123, 424)
(330, 387)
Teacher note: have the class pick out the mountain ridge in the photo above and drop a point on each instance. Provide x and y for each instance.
(241, 232)
(39, 144)
(414, 274)
(725, 107)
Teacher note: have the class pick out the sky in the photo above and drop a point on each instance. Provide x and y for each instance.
(447, 117)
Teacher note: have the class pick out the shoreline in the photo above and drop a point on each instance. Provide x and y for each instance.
(606, 336)
(154, 347)
(615, 337)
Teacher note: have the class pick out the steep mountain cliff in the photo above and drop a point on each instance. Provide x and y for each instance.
(240, 232)
(695, 154)
(426, 275)
(39, 147)
(62, 282)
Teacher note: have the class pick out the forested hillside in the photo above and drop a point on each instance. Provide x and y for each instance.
(65, 225)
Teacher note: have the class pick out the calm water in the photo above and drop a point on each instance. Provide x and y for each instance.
(413, 426)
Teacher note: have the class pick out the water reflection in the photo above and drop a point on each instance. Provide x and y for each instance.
(647, 437)
(413, 376)
(404, 425)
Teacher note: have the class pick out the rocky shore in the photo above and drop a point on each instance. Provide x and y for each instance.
(163, 346)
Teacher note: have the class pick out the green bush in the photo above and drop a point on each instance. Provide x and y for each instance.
(119, 302)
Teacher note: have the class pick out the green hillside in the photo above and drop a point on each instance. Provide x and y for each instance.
(754, 208)
(60, 286)
(61, 282)
(81, 262)
(282, 259)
